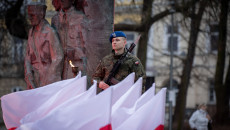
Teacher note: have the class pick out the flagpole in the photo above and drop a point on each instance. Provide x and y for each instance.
(171, 65)
(110, 111)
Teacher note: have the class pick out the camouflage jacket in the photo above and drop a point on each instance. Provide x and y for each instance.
(130, 64)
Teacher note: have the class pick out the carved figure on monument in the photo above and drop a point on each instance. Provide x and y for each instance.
(72, 27)
(57, 4)
(55, 18)
(44, 54)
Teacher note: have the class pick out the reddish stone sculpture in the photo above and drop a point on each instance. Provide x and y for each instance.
(44, 54)
(56, 4)
(84, 27)
(72, 27)
(55, 18)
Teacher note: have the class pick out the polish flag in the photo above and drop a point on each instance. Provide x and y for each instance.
(122, 113)
(150, 93)
(92, 114)
(122, 87)
(130, 97)
(72, 90)
(17, 105)
(148, 117)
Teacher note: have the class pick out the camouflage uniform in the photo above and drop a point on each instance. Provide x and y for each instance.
(130, 64)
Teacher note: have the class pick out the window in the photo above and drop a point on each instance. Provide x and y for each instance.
(171, 94)
(214, 35)
(130, 37)
(212, 94)
(172, 37)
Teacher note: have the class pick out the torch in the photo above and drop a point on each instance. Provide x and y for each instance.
(74, 69)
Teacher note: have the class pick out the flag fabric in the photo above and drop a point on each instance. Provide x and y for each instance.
(149, 116)
(123, 86)
(130, 97)
(67, 105)
(145, 97)
(122, 113)
(17, 105)
(107, 127)
(92, 114)
(71, 90)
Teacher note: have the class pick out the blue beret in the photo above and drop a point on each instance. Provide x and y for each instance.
(116, 34)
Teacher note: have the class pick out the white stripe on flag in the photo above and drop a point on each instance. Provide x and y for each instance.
(130, 97)
(149, 116)
(92, 114)
(123, 113)
(17, 105)
(121, 88)
(71, 90)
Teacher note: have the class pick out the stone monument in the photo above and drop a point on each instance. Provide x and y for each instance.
(44, 54)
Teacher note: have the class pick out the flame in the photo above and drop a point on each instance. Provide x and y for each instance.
(70, 62)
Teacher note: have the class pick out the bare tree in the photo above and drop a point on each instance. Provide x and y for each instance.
(188, 10)
(147, 20)
(185, 78)
(222, 88)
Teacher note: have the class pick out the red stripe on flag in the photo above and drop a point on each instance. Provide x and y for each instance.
(13, 128)
(107, 127)
(160, 127)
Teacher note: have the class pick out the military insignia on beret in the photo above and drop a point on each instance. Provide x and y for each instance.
(136, 63)
(114, 34)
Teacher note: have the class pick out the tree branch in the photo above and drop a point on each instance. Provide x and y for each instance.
(155, 18)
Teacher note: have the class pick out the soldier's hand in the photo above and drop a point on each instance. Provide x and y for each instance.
(103, 85)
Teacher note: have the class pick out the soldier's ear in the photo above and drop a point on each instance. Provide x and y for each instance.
(125, 40)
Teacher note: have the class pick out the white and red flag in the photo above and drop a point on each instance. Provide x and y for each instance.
(122, 113)
(17, 105)
(72, 90)
(92, 114)
(122, 87)
(148, 95)
(149, 116)
(130, 97)
(66, 105)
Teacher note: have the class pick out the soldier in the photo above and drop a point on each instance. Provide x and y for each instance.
(131, 63)
(44, 54)
(72, 28)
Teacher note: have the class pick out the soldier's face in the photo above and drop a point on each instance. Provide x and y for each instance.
(118, 43)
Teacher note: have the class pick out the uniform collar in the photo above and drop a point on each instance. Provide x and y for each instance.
(118, 56)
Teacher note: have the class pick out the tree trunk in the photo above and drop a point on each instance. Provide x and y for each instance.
(227, 86)
(183, 87)
(222, 98)
(146, 15)
(146, 22)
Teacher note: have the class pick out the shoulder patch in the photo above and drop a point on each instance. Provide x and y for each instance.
(137, 63)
